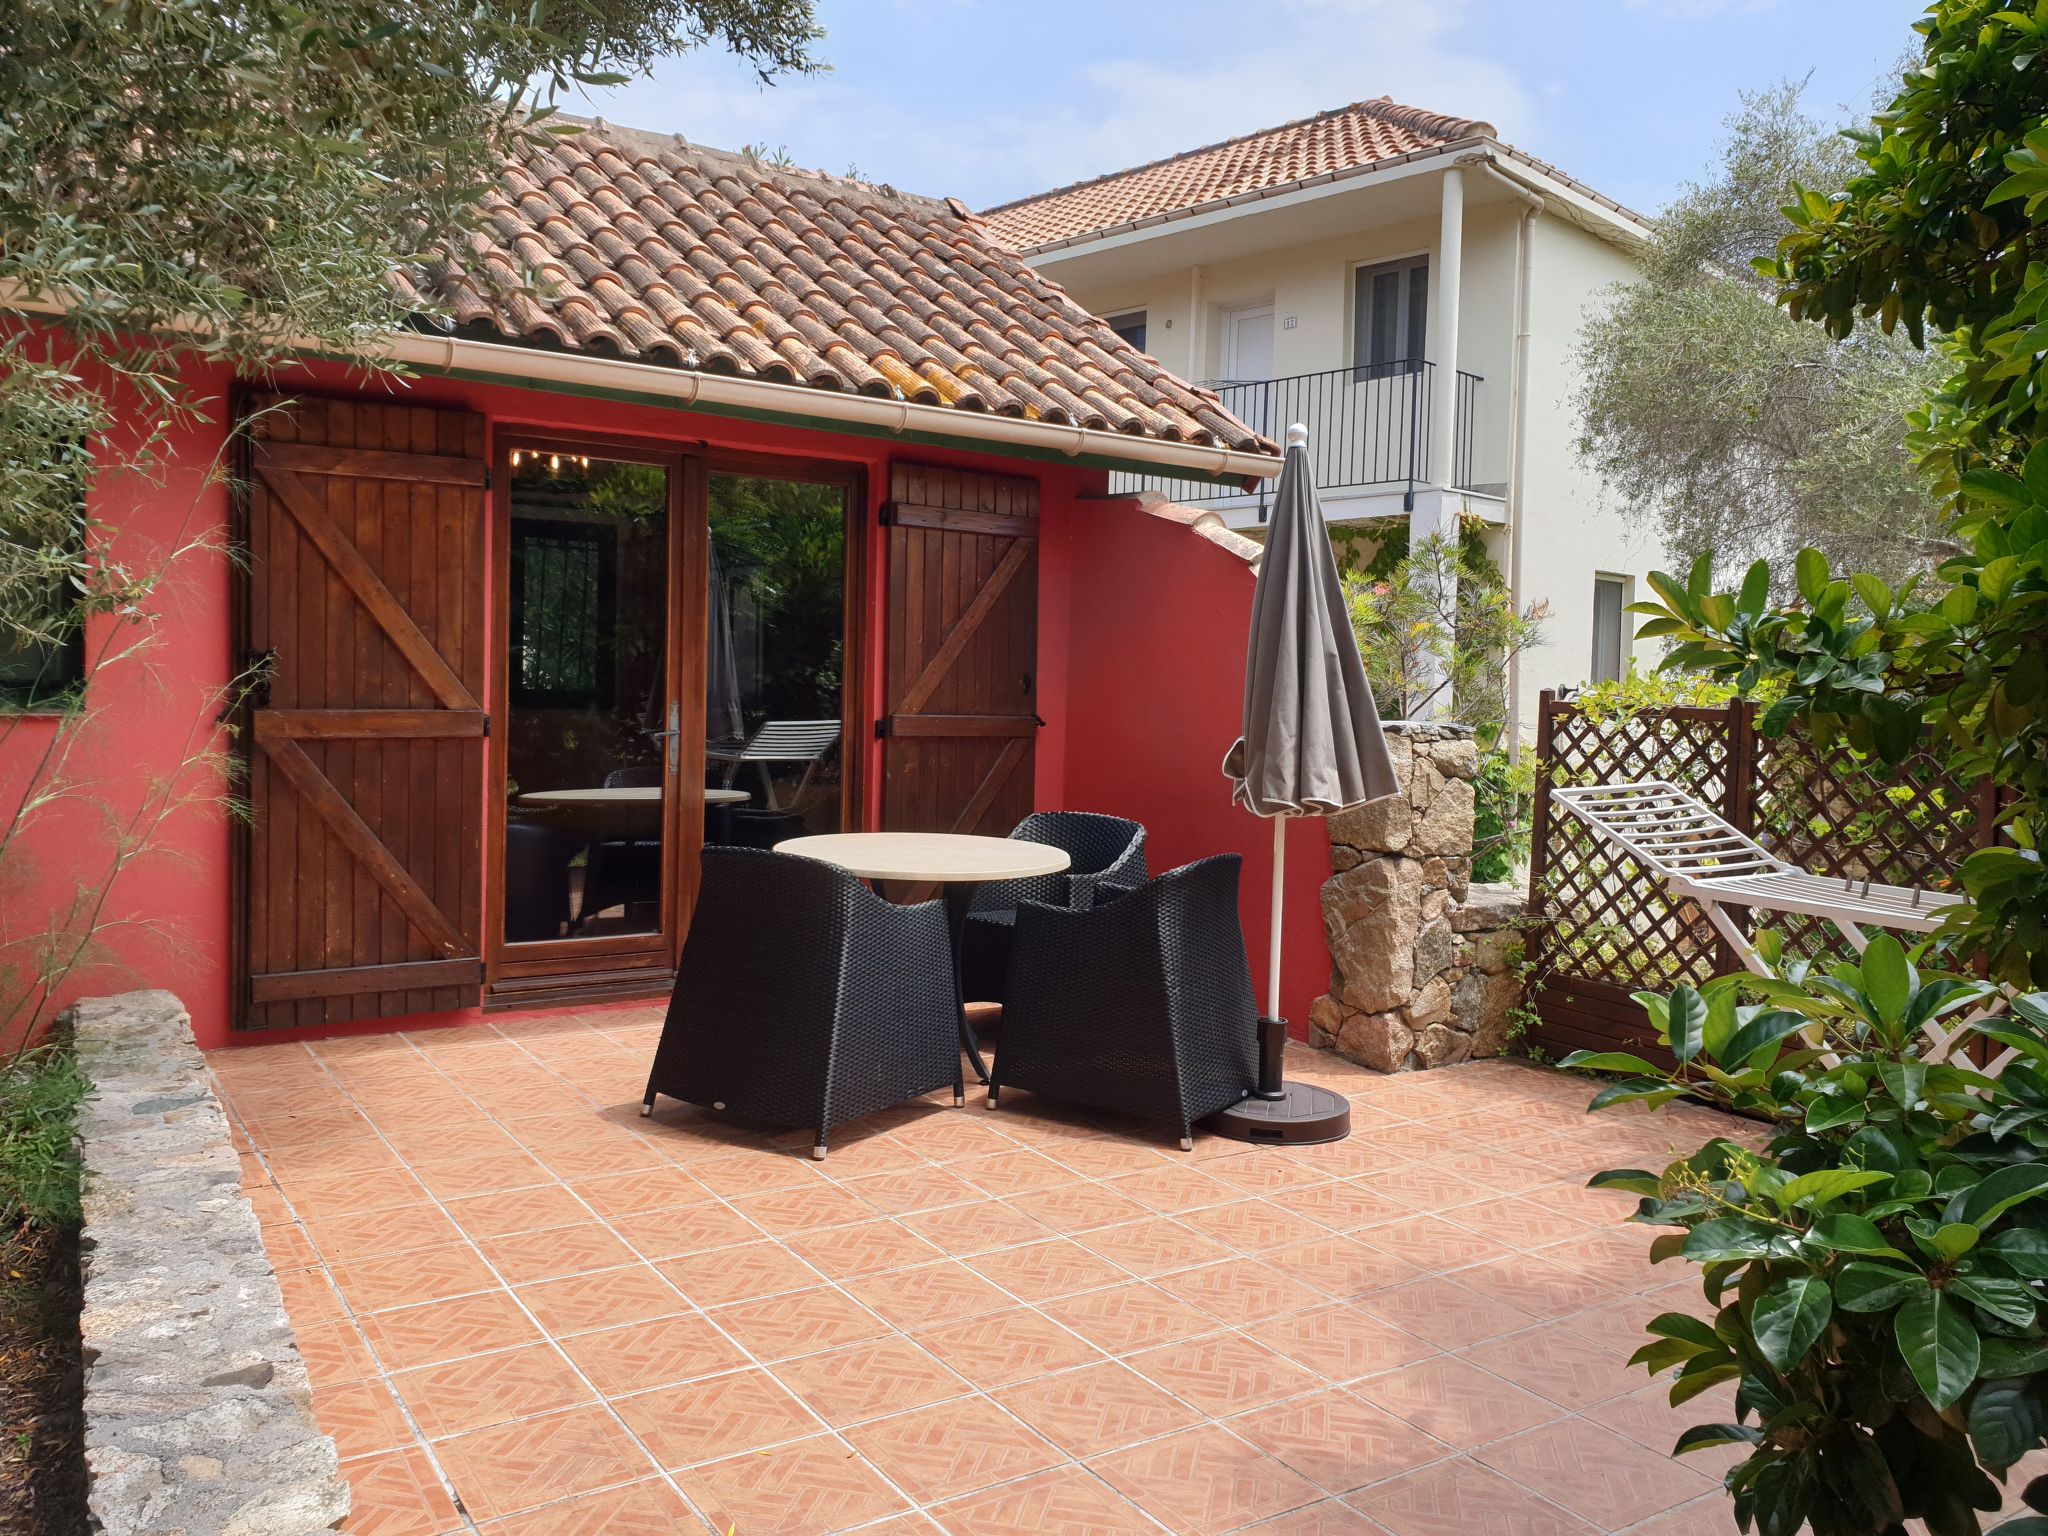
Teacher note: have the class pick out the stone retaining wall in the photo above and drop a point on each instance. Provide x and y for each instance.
(198, 1414)
(1421, 971)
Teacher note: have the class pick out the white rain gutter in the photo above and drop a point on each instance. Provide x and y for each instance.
(1533, 206)
(683, 387)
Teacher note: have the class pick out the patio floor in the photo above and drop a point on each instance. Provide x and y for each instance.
(526, 1310)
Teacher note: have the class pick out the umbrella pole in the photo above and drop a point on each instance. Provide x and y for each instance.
(1273, 953)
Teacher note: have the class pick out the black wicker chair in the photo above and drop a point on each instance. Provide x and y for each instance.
(1106, 850)
(1143, 1003)
(804, 999)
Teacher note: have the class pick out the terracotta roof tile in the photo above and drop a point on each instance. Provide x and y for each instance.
(1338, 140)
(644, 247)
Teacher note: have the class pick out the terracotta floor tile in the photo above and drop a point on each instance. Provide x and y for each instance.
(788, 1212)
(1175, 1188)
(746, 1272)
(554, 1252)
(334, 1353)
(703, 1420)
(454, 1177)
(397, 1493)
(977, 1228)
(953, 1449)
(1329, 1518)
(1154, 1245)
(753, 1173)
(1340, 1341)
(1015, 1172)
(1260, 1170)
(651, 1508)
(367, 1234)
(1096, 1409)
(1647, 1417)
(1041, 1271)
(1240, 1290)
(865, 1381)
(1252, 1226)
(863, 1249)
(363, 1418)
(520, 1210)
(801, 1490)
(1069, 1500)
(1339, 1441)
(1075, 1208)
(931, 1293)
(1341, 1266)
(481, 1390)
(513, 1467)
(1540, 1288)
(801, 1323)
(1204, 1481)
(1000, 1348)
(408, 1279)
(1445, 1313)
(1460, 1497)
(1432, 1243)
(1130, 1317)
(704, 1226)
(633, 1293)
(638, 1356)
(1593, 1472)
(1710, 1516)
(1224, 1373)
(1340, 1206)
(1557, 1363)
(310, 1296)
(1456, 1401)
(1527, 1221)
(448, 1330)
(919, 1188)
(644, 1189)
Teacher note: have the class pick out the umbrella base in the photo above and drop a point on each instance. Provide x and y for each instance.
(1302, 1116)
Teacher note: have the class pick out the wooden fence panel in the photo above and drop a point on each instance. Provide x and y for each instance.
(1609, 927)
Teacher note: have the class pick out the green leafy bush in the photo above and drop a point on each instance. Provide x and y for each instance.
(40, 1091)
(1875, 1271)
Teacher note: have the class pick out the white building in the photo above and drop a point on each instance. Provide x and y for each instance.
(1412, 290)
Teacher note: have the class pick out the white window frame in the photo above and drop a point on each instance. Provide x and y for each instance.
(1622, 640)
(1361, 311)
(1122, 317)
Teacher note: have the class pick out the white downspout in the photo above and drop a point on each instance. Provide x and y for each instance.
(1518, 430)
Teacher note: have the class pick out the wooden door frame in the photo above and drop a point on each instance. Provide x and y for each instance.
(622, 965)
(573, 970)
(858, 620)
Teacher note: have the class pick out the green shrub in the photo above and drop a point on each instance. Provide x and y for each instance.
(40, 1092)
(1876, 1270)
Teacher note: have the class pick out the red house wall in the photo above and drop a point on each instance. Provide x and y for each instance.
(1149, 620)
(1140, 666)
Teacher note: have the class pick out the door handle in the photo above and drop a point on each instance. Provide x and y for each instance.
(674, 733)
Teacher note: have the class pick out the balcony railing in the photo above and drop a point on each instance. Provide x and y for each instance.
(1367, 427)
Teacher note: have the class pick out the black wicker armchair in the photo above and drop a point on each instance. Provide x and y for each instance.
(804, 999)
(1142, 1003)
(1106, 850)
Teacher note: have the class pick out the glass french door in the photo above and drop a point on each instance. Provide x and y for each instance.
(598, 706)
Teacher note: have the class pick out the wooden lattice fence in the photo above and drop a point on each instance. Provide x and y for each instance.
(1608, 929)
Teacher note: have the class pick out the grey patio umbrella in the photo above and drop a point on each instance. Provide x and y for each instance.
(722, 684)
(1312, 744)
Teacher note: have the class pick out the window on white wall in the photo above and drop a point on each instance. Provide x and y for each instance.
(1391, 313)
(1129, 325)
(1610, 628)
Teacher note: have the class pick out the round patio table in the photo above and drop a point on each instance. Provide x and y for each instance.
(959, 863)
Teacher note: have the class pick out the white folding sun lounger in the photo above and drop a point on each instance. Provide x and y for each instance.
(1679, 839)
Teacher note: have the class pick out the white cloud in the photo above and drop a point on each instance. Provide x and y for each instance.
(1023, 120)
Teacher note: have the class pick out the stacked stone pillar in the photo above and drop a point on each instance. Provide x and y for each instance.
(1421, 971)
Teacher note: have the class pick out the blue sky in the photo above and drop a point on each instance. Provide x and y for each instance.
(994, 99)
(991, 99)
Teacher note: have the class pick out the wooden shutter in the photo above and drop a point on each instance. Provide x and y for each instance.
(963, 651)
(364, 881)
